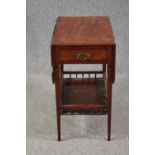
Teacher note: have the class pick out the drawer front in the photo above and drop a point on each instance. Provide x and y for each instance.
(83, 56)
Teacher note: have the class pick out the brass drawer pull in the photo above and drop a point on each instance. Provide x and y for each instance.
(83, 56)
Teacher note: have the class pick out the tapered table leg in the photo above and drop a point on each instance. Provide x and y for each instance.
(109, 125)
(59, 126)
(57, 75)
(109, 100)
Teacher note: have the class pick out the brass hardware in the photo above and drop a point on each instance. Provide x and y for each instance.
(83, 56)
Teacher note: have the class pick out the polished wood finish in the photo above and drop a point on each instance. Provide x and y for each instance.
(83, 31)
(89, 55)
(78, 92)
(83, 40)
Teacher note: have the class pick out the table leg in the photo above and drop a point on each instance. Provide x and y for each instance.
(58, 99)
(109, 100)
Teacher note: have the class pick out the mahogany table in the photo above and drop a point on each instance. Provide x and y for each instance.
(83, 40)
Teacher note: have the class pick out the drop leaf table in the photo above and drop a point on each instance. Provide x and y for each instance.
(83, 40)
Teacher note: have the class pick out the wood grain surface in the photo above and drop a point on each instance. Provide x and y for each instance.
(89, 30)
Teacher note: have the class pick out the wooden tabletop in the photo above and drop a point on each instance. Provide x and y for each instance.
(86, 30)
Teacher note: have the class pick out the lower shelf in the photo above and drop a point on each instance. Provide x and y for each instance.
(84, 96)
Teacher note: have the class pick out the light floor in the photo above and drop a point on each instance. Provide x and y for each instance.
(81, 135)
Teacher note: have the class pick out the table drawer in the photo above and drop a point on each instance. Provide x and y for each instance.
(83, 56)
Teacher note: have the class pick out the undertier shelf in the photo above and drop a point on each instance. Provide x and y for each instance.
(85, 96)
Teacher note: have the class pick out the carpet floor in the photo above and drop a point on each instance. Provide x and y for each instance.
(81, 135)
